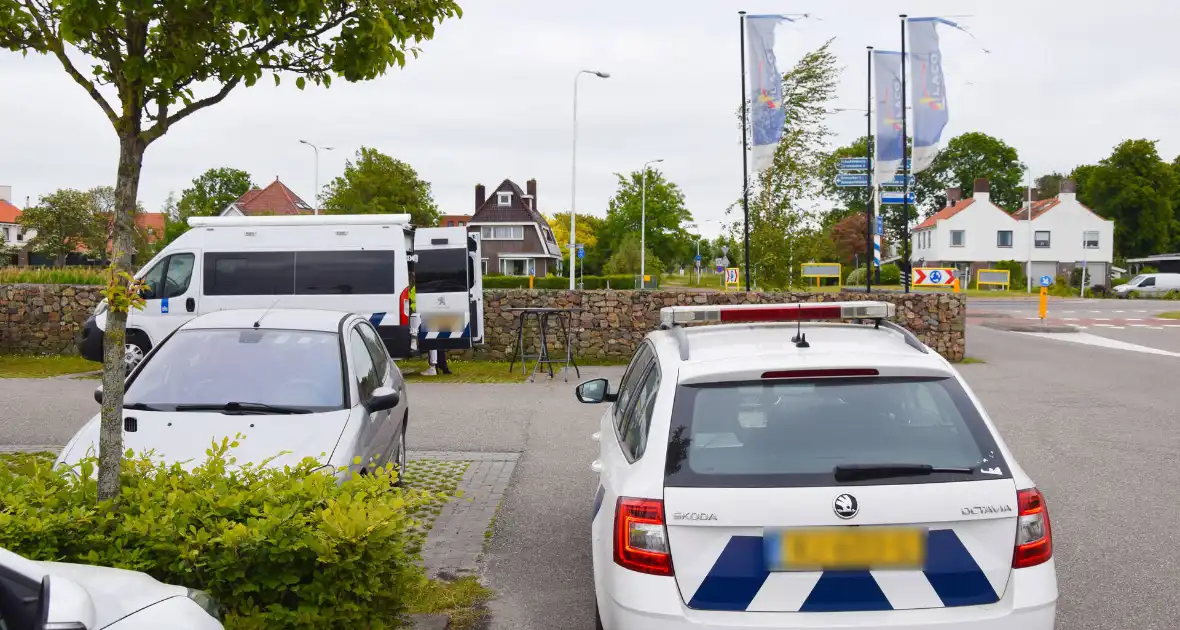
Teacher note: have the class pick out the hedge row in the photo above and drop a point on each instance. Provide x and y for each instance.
(278, 548)
(560, 282)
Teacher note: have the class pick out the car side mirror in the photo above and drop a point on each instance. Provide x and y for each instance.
(383, 399)
(595, 391)
(24, 601)
(98, 394)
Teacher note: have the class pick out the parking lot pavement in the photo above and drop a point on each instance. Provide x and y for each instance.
(44, 412)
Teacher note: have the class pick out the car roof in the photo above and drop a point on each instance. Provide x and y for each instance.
(272, 319)
(751, 348)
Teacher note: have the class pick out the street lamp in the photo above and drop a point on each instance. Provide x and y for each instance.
(316, 201)
(643, 223)
(574, 175)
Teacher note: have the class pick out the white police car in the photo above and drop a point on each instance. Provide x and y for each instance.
(766, 473)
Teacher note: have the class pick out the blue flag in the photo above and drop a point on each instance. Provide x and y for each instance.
(767, 116)
(890, 145)
(927, 89)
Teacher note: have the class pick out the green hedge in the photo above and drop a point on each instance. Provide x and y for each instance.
(559, 282)
(890, 275)
(52, 275)
(278, 548)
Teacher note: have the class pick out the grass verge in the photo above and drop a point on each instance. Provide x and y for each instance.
(479, 371)
(1170, 315)
(29, 366)
(969, 360)
(462, 600)
(52, 275)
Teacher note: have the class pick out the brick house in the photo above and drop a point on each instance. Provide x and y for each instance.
(275, 199)
(454, 220)
(516, 238)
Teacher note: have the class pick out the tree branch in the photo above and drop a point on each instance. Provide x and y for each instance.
(162, 126)
(54, 43)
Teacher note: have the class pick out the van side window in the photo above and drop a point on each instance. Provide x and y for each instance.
(1148, 282)
(180, 273)
(154, 280)
(368, 272)
(249, 273)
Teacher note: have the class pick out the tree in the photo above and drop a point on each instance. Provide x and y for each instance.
(964, 159)
(626, 259)
(1048, 185)
(588, 228)
(666, 217)
(64, 222)
(154, 56)
(378, 184)
(208, 196)
(848, 238)
(98, 238)
(1134, 188)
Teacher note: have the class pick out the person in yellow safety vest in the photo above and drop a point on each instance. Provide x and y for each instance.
(435, 360)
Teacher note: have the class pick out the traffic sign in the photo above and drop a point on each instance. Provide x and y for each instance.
(720, 268)
(899, 180)
(1046, 280)
(880, 224)
(581, 250)
(698, 258)
(854, 164)
(896, 197)
(928, 277)
(731, 275)
(852, 180)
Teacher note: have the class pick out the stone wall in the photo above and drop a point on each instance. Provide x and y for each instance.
(612, 323)
(44, 318)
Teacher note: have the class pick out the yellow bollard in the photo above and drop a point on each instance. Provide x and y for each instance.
(1044, 301)
(955, 285)
(530, 282)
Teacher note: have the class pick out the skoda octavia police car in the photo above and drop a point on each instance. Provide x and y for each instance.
(766, 473)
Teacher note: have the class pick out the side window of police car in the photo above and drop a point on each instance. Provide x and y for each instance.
(362, 366)
(635, 371)
(638, 418)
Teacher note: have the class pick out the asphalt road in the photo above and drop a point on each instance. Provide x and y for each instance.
(1096, 428)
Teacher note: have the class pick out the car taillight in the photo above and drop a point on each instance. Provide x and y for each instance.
(403, 316)
(641, 540)
(1034, 538)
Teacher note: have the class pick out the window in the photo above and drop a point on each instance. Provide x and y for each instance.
(1040, 239)
(634, 433)
(1149, 281)
(290, 368)
(362, 366)
(154, 280)
(549, 235)
(450, 223)
(503, 199)
(441, 271)
(7, 234)
(502, 232)
(635, 370)
(368, 272)
(253, 273)
(793, 433)
(483, 262)
(1090, 239)
(377, 350)
(462, 223)
(958, 238)
(518, 267)
(1004, 238)
(20, 236)
(179, 275)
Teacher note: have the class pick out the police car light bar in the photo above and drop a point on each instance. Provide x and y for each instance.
(746, 313)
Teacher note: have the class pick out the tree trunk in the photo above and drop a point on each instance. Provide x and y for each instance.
(110, 440)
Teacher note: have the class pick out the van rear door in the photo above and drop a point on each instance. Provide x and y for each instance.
(444, 276)
(475, 282)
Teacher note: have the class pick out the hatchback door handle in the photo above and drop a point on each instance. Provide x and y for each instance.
(596, 466)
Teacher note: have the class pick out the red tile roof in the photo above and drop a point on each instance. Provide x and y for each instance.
(8, 212)
(945, 213)
(274, 199)
(151, 224)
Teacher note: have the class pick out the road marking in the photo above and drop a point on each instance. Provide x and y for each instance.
(1140, 311)
(1070, 319)
(1138, 325)
(1134, 319)
(1156, 327)
(1068, 311)
(1102, 319)
(1110, 326)
(1095, 311)
(1032, 317)
(1095, 340)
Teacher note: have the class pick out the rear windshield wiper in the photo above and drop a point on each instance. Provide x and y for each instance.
(242, 407)
(860, 472)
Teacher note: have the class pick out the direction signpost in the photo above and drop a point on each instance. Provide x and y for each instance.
(890, 196)
(852, 180)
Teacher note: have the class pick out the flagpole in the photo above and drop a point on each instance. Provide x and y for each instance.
(745, 155)
(869, 224)
(907, 268)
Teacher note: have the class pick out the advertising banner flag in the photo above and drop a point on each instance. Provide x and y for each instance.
(927, 89)
(767, 116)
(890, 145)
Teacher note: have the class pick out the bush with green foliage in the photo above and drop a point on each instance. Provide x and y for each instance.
(590, 283)
(278, 547)
(890, 275)
(1015, 269)
(1119, 282)
(53, 275)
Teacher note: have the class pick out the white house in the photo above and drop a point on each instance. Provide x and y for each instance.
(13, 236)
(973, 234)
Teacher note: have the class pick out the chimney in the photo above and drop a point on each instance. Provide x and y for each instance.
(1069, 189)
(6, 193)
(481, 196)
(531, 188)
(953, 196)
(982, 190)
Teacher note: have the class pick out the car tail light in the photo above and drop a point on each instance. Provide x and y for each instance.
(1034, 537)
(837, 373)
(737, 313)
(403, 315)
(641, 540)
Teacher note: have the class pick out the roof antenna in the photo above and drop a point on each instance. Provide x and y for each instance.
(798, 326)
(265, 313)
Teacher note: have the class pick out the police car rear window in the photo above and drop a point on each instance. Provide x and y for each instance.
(784, 433)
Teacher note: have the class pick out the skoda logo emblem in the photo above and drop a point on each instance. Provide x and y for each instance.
(845, 506)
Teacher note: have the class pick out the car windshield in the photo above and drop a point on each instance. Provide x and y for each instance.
(287, 368)
(1135, 281)
(795, 433)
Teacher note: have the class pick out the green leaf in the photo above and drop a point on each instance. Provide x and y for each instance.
(300, 83)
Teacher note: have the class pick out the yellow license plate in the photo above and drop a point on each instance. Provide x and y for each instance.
(444, 323)
(850, 548)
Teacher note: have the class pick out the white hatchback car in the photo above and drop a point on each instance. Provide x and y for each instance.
(309, 383)
(766, 473)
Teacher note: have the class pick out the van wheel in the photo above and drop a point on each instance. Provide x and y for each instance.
(135, 349)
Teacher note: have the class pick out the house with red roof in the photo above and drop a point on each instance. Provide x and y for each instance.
(12, 235)
(515, 239)
(275, 199)
(974, 233)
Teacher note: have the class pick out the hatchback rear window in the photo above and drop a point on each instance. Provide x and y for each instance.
(776, 433)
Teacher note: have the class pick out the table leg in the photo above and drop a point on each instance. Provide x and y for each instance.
(518, 347)
(570, 353)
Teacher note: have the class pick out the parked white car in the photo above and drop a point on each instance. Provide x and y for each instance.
(64, 596)
(1150, 285)
(309, 383)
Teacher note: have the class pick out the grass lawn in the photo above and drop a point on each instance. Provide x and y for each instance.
(1170, 315)
(479, 371)
(462, 600)
(29, 366)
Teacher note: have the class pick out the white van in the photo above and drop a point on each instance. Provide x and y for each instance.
(449, 288)
(1150, 285)
(354, 263)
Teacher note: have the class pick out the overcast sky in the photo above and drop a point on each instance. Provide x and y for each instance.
(490, 98)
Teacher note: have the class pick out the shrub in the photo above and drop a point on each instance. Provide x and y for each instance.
(1117, 282)
(1015, 270)
(278, 548)
(890, 275)
(53, 275)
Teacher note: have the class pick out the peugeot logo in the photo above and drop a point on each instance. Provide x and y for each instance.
(845, 506)
(442, 301)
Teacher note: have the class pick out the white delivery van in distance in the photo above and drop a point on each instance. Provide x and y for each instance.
(353, 263)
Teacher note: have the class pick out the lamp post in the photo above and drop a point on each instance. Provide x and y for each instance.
(574, 173)
(643, 224)
(316, 200)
